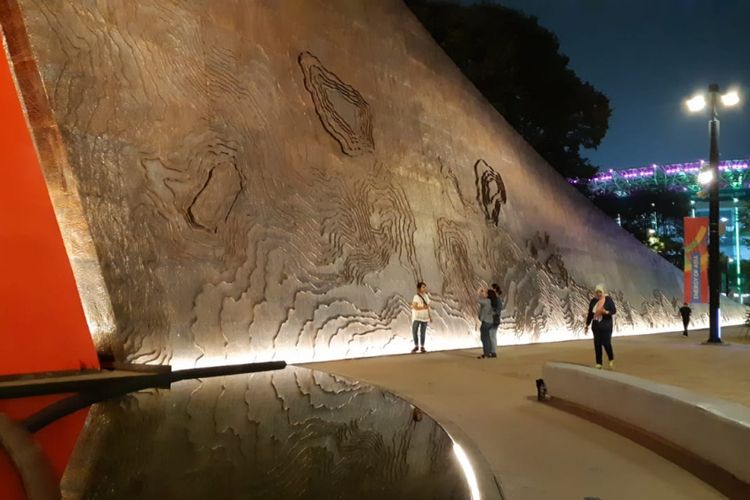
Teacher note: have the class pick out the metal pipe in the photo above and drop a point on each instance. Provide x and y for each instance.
(737, 255)
(114, 388)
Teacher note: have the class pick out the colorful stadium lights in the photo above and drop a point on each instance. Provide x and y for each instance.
(670, 170)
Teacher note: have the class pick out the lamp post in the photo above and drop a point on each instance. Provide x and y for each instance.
(711, 178)
(737, 254)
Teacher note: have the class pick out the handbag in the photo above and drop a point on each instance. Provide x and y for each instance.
(428, 306)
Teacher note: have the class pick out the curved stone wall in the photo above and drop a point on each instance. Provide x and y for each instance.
(270, 179)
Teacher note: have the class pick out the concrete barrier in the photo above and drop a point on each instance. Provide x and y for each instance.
(715, 430)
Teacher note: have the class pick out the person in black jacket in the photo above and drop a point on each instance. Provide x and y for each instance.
(601, 310)
(685, 312)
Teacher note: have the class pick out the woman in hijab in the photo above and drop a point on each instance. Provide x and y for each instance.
(601, 310)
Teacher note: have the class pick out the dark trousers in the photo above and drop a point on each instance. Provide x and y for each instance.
(416, 327)
(485, 333)
(602, 338)
(685, 323)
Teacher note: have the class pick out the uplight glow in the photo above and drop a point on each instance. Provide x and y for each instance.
(293, 355)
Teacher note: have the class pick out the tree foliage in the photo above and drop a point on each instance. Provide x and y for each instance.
(517, 65)
(654, 218)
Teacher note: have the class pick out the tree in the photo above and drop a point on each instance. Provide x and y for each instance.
(654, 218)
(517, 65)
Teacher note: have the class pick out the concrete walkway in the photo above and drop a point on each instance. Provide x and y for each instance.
(539, 452)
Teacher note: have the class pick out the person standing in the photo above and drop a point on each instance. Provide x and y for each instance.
(685, 312)
(420, 316)
(496, 319)
(601, 310)
(487, 306)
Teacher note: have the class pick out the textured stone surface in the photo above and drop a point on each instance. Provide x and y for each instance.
(279, 435)
(269, 179)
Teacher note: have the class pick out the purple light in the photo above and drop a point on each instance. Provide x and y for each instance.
(670, 170)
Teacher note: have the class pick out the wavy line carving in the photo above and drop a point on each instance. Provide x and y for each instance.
(372, 222)
(490, 190)
(342, 110)
(230, 228)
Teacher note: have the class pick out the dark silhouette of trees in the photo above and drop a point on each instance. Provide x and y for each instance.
(517, 65)
(653, 217)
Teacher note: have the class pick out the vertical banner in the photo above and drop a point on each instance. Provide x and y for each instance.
(696, 260)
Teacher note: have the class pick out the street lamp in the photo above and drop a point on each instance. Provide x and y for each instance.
(710, 177)
(705, 176)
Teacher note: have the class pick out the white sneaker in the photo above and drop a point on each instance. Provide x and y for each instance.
(598, 366)
(611, 365)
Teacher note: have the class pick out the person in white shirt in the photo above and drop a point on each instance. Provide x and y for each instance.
(420, 316)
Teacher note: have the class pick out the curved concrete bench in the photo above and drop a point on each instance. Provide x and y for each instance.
(715, 430)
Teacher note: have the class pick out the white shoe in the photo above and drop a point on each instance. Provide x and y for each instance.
(611, 365)
(598, 366)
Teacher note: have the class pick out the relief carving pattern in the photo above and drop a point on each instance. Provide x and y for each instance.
(491, 193)
(229, 227)
(342, 110)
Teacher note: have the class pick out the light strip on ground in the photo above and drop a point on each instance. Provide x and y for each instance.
(471, 477)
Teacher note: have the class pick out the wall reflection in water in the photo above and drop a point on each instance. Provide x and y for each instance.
(294, 433)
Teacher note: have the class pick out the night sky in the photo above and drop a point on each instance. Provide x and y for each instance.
(646, 56)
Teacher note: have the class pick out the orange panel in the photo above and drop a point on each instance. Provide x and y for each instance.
(42, 326)
(12, 487)
(57, 439)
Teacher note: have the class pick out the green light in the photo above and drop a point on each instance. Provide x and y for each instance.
(737, 248)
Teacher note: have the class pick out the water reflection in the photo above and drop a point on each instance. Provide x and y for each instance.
(293, 433)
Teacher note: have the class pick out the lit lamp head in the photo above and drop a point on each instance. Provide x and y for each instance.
(705, 176)
(731, 98)
(696, 104)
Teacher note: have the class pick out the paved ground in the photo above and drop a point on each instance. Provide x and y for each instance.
(539, 452)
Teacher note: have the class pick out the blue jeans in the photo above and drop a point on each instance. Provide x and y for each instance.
(416, 326)
(484, 334)
(493, 339)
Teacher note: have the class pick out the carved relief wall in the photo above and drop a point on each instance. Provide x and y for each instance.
(270, 179)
